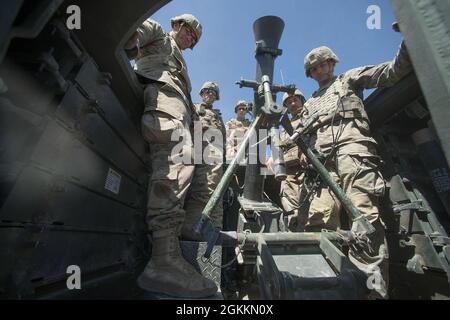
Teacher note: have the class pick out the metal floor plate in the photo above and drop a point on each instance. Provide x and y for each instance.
(306, 265)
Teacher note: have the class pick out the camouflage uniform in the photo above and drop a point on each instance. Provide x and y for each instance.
(344, 131)
(354, 163)
(168, 107)
(236, 130)
(212, 119)
(291, 187)
(212, 155)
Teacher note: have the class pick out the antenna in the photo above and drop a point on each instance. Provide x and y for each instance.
(282, 78)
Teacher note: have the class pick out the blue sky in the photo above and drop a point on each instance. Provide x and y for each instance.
(226, 50)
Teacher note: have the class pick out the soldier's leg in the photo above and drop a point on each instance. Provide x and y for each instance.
(169, 181)
(303, 203)
(214, 174)
(167, 271)
(324, 209)
(195, 202)
(290, 198)
(364, 185)
(206, 178)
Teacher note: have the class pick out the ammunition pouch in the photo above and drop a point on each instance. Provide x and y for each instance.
(291, 156)
(351, 108)
(348, 108)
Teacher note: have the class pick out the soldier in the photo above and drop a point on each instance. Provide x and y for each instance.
(345, 141)
(168, 107)
(213, 152)
(290, 187)
(236, 129)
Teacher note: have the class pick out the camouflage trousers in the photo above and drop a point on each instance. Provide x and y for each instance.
(360, 179)
(291, 195)
(214, 173)
(177, 191)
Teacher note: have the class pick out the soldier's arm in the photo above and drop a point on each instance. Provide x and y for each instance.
(229, 141)
(149, 32)
(227, 130)
(228, 148)
(223, 129)
(146, 33)
(384, 74)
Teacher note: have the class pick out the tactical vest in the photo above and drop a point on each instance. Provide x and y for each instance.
(210, 118)
(238, 128)
(336, 114)
(290, 150)
(236, 124)
(236, 131)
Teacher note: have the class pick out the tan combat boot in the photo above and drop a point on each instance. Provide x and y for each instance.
(167, 272)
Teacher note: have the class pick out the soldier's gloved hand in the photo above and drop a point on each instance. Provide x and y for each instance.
(303, 161)
(362, 241)
(357, 243)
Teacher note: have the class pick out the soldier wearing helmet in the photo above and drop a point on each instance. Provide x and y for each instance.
(212, 154)
(342, 137)
(236, 129)
(290, 188)
(193, 26)
(294, 102)
(168, 108)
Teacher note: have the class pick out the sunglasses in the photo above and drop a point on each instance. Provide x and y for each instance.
(242, 109)
(209, 91)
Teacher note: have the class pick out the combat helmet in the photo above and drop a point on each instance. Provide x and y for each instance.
(211, 85)
(240, 103)
(317, 56)
(192, 22)
(297, 93)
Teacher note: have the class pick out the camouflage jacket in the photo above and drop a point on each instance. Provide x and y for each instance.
(290, 150)
(338, 108)
(212, 119)
(160, 59)
(236, 131)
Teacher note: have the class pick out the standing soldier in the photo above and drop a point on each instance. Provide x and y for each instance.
(345, 141)
(168, 107)
(213, 129)
(290, 187)
(236, 129)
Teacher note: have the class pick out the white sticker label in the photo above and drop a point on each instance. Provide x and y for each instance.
(113, 181)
